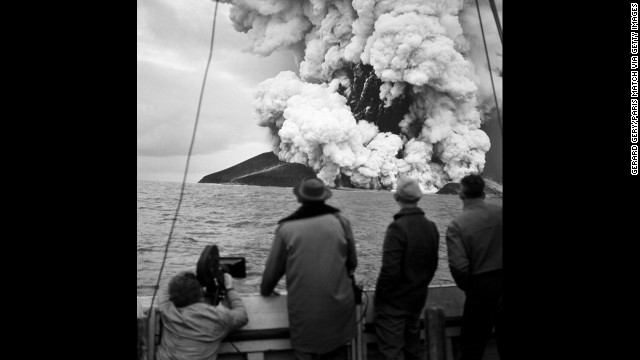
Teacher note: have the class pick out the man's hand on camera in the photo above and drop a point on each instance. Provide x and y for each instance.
(228, 281)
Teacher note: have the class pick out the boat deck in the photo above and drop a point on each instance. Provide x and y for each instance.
(266, 336)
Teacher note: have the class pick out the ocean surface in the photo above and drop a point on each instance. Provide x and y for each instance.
(241, 221)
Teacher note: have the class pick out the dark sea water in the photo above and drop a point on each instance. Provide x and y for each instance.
(242, 220)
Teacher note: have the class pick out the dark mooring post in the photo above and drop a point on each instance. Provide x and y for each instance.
(435, 333)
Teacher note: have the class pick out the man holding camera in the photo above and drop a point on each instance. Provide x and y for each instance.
(311, 248)
(409, 261)
(193, 328)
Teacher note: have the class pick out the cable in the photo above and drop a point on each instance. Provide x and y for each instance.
(490, 73)
(244, 356)
(495, 16)
(186, 170)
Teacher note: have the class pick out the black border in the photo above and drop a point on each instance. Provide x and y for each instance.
(569, 196)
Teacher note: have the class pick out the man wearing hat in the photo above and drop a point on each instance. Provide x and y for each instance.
(409, 261)
(311, 249)
(474, 247)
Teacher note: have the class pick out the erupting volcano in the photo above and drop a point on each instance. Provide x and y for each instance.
(384, 87)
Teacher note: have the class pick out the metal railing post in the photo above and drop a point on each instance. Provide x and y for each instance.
(435, 333)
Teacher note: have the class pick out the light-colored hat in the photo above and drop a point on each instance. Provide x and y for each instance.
(407, 189)
(311, 189)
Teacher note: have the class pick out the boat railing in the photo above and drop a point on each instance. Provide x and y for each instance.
(266, 336)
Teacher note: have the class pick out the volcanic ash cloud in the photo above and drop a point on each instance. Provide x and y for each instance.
(385, 88)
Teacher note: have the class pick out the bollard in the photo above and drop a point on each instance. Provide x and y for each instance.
(435, 333)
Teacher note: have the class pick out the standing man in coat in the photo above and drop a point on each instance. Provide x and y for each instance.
(311, 249)
(409, 261)
(474, 245)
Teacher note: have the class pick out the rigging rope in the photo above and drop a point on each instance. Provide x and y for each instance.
(184, 179)
(495, 16)
(489, 64)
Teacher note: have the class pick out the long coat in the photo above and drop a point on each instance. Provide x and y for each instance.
(312, 252)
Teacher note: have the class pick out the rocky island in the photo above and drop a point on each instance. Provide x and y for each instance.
(262, 170)
(267, 170)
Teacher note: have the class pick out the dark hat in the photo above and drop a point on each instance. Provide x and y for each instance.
(408, 189)
(311, 189)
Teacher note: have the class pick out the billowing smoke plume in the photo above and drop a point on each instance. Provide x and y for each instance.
(384, 87)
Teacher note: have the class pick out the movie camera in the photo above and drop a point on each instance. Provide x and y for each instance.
(210, 272)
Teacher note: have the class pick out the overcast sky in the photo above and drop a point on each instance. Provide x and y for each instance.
(173, 47)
